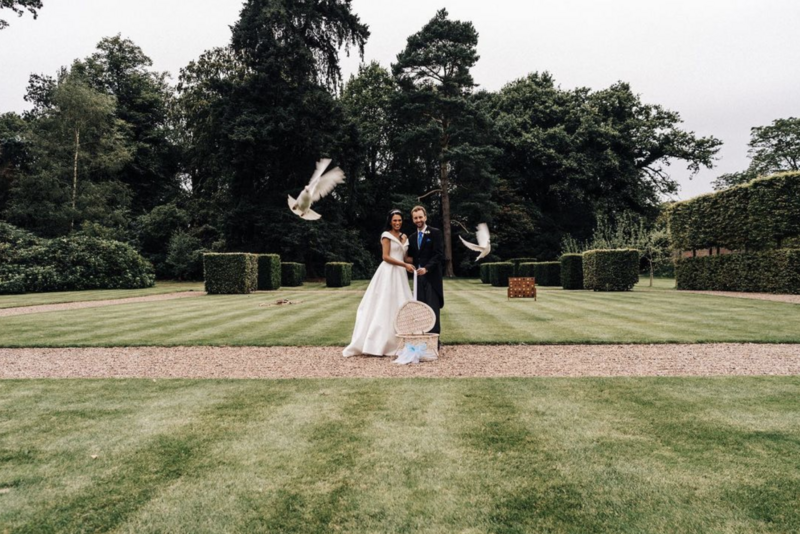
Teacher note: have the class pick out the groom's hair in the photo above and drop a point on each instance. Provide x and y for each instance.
(419, 208)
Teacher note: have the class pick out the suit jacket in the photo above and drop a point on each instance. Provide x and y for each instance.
(431, 256)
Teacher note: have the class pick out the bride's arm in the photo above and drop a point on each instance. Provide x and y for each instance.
(389, 259)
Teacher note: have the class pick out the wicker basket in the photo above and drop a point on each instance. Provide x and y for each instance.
(412, 323)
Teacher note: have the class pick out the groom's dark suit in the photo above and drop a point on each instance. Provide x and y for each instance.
(427, 250)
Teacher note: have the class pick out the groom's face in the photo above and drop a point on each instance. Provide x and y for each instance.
(419, 218)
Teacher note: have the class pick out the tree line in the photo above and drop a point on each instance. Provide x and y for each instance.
(112, 148)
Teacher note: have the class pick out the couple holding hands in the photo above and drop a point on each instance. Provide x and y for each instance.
(423, 252)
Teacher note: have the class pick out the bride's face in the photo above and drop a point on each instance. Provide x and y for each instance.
(397, 222)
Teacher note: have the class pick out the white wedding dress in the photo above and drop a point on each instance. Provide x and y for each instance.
(388, 290)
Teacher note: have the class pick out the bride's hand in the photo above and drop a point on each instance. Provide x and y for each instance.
(410, 268)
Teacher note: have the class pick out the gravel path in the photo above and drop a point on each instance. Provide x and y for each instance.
(41, 308)
(791, 299)
(457, 361)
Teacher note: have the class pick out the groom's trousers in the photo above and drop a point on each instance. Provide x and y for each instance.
(427, 294)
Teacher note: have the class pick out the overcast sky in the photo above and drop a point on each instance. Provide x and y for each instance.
(724, 65)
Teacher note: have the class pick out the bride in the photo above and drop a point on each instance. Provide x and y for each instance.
(388, 290)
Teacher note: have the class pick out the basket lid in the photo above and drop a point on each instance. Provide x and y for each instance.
(414, 317)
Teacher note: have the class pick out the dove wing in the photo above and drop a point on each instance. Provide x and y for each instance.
(483, 235)
(321, 166)
(471, 246)
(326, 183)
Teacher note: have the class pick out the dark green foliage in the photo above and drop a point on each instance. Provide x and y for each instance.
(569, 156)
(773, 271)
(485, 273)
(610, 270)
(185, 257)
(547, 273)
(232, 273)
(572, 271)
(499, 273)
(30, 264)
(338, 274)
(759, 215)
(292, 274)
(269, 272)
(518, 261)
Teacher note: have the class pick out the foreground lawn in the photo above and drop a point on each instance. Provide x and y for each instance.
(438, 456)
(36, 299)
(474, 313)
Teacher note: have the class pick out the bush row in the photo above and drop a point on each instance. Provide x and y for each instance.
(518, 261)
(773, 271)
(292, 274)
(610, 270)
(29, 264)
(499, 273)
(572, 271)
(758, 215)
(338, 274)
(230, 273)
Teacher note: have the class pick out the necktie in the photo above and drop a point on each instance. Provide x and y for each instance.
(419, 240)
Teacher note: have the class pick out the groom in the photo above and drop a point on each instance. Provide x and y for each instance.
(426, 252)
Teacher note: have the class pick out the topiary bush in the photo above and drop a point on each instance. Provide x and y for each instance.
(518, 261)
(610, 270)
(484, 273)
(762, 214)
(572, 271)
(547, 273)
(230, 273)
(500, 272)
(292, 274)
(773, 271)
(269, 272)
(31, 264)
(338, 274)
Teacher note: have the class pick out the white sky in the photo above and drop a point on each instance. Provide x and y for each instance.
(724, 65)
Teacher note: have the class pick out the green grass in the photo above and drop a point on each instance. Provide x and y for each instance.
(58, 297)
(474, 313)
(687, 455)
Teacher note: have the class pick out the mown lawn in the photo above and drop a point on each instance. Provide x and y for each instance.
(58, 297)
(686, 455)
(474, 313)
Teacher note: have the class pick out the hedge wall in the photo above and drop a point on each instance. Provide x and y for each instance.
(547, 273)
(499, 273)
(292, 274)
(518, 261)
(31, 264)
(610, 270)
(773, 271)
(484, 273)
(338, 274)
(572, 271)
(232, 273)
(269, 272)
(761, 214)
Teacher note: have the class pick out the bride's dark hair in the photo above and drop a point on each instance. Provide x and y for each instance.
(388, 225)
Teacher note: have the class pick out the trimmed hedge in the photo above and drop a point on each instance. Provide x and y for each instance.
(499, 273)
(547, 273)
(230, 273)
(610, 270)
(269, 272)
(762, 214)
(773, 271)
(338, 274)
(518, 261)
(484, 273)
(31, 264)
(292, 274)
(572, 271)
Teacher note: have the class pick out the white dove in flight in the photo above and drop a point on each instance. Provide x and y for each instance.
(484, 244)
(319, 186)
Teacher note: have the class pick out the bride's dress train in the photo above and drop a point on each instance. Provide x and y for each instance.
(388, 290)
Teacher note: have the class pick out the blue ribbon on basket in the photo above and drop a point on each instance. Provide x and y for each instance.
(414, 353)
